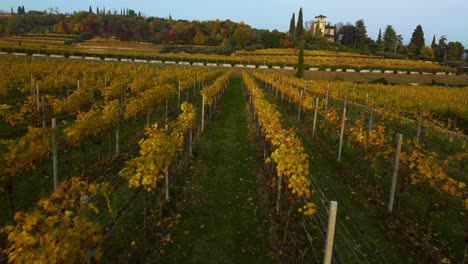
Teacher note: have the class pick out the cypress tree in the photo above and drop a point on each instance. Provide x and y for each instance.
(434, 44)
(90, 10)
(300, 62)
(292, 27)
(300, 26)
(379, 37)
(417, 40)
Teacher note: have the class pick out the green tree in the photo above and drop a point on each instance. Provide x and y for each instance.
(441, 55)
(300, 62)
(292, 26)
(417, 41)
(300, 26)
(12, 26)
(390, 39)
(241, 35)
(379, 37)
(434, 44)
(454, 50)
(90, 10)
(346, 34)
(360, 34)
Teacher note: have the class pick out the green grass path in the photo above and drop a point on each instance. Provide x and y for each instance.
(222, 222)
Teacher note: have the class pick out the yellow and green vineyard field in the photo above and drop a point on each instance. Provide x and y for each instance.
(140, 162)
(103, 48)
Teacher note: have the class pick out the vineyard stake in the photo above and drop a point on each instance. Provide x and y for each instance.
(37, 97)
(278, 194)
(418, 132)
(315, 117)
(178, 97)
(166, 177)
(330, 232)
(342, 134)
(395, 172)
(203, 113)
(371, 115)
(117, 132)
(190, 141)
(300, 108)
(167, 108)
(54, 152)
(210, 111)
(326, 100)
(43, 112)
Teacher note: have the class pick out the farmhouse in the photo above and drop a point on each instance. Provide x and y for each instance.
(320, 28)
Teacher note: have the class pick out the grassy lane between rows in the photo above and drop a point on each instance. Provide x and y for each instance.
(222, 220)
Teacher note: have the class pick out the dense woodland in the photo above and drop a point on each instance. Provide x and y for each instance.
(226, 36)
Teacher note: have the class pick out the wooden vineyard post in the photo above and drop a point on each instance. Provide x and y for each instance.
(278, 194)
(178, 97)
(395, 172)
(210, 110)
(315, 117)
(330, 232)
(166, 176)
(43, 112)
(300, 107)
(37, 97)
(216, 101)
(203, 113)
(167, 107)
(190, 142)
(194, 86)
(54, 152)
(148, 114)
(117, 132)
(340, 147)
(326, 99)
(278, 190)
(371, 117)
(418, 132)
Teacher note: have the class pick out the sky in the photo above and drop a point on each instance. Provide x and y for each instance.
(439, 17)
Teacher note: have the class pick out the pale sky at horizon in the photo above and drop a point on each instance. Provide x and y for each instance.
(449, 17)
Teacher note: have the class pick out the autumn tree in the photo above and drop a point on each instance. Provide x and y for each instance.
(12, 26)
(241, 35)
(427, 53)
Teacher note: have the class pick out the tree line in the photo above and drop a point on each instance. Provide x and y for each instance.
(226, 35)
